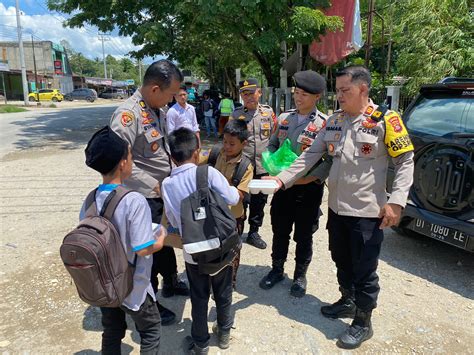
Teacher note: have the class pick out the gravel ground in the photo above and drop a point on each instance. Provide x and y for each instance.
(426, 304)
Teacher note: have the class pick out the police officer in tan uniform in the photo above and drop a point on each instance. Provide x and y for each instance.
(261, 122)
(298, 206)
(361, 137)
(140, 120)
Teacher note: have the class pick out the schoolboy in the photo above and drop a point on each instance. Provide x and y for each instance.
(184, 148)
(234, 140)
(111, 156)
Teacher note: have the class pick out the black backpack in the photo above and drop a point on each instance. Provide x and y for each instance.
(239, 171)
(94, 255)
(209, 230)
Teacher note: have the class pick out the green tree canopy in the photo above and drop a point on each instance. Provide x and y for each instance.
(230, 32)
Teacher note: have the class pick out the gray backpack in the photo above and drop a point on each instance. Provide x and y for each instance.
(94, 255)
(209, 230)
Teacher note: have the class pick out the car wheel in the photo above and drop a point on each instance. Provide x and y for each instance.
(54, 99)
(90, 99)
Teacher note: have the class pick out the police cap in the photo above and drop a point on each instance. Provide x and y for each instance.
(250, 84)
(310, 81)
(105, 150)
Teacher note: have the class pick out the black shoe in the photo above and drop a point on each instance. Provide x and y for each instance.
(343, 308)
(256, 240)
(175, 287)
(359, 331)
(298, 288)
(191, 348)
(167, 316)
(223, 338)
(274, 276)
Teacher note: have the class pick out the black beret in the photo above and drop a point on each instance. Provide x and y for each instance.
(310, 81)
(250, 84)
(105, 150)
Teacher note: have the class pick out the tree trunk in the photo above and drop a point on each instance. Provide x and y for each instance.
(266, 68)
(231, 82)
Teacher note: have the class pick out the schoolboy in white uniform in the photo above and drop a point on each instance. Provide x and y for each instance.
(184, 147)
(111, 156)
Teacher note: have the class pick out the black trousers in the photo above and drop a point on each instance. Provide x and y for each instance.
(257, 204)
(298, 206)
(355, 244)
(199, 287)
(164, 261)
(147, 321)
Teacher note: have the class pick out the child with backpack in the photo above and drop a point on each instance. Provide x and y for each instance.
(227, 157)
(111, 156)
(187, 198)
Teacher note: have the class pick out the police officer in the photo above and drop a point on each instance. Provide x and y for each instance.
(261, 122)
(361, 138)
(141, 122)
(298, 205)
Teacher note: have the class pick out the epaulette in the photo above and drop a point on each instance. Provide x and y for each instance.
(322, 116)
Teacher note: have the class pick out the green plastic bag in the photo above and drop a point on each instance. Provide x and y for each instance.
(281, 159)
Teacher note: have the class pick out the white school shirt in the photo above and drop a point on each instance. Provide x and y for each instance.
(182, 183)
(178, 117)
(132, 218)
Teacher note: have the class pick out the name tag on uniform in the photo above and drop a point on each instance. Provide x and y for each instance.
(200, 214)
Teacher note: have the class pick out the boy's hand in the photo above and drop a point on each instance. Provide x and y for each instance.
(275, 178)
(157, 189)
(161, 234)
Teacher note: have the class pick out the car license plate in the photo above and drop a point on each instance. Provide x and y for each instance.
(445, 234)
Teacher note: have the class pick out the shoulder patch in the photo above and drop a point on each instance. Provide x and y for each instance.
(127, 118)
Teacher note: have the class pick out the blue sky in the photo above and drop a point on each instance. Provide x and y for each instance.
(36, 19)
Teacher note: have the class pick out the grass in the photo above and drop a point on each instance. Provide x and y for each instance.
(11, 108)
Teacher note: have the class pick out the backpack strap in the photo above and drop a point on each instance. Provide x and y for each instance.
(90, 205)
(202, 184)
(240, 170)
(214, 153)
(112, 201)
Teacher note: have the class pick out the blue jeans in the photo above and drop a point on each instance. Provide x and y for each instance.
(210, 123)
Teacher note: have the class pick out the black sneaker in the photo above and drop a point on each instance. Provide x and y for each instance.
(223, 338)
(167, 316)
(271, 279)
(354, 336)
(298, 288)
(343, 308)
(256, 240)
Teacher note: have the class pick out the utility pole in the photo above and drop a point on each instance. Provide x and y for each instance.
(22, 54)
(36, 74)
(102, 37)
(370, 18)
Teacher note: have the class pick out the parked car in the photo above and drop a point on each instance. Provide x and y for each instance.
(114, 94)
(440, 122)
(82, 94)
(46, 95)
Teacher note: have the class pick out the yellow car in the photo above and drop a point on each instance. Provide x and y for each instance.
(46, 95)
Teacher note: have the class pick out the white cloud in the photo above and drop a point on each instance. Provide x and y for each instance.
(49, 27)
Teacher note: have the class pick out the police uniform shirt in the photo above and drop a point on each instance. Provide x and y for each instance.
(360, 147)
(140, 126)
(132, 219)
(301, 133)
(260, 124)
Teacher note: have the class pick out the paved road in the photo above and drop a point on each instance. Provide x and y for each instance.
(43, 128)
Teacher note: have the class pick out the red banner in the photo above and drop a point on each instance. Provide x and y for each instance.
(334, 46)
(58, 67)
